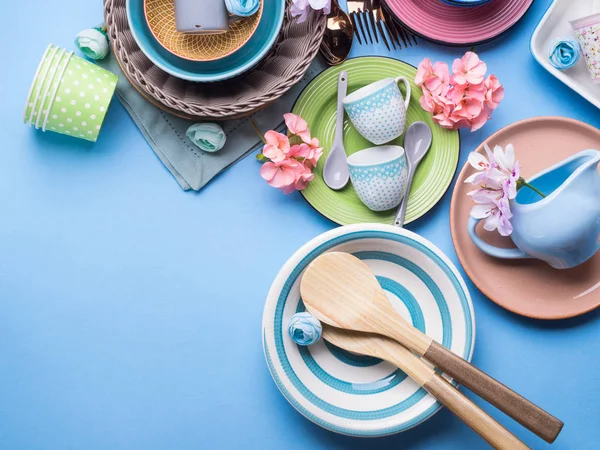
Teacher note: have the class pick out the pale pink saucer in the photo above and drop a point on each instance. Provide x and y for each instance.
(528, 287)
(457, 25)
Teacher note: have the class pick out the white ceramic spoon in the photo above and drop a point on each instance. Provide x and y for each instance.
(335, 171)
(416, 145)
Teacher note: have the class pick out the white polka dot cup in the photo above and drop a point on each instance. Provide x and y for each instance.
(69, 95)
(379, 176)
(378, 110)
(587, 30)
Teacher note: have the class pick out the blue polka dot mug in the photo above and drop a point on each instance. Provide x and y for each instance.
(379, 176)
(378, 110)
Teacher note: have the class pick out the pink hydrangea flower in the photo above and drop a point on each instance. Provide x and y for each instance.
(463, 99)
(468, 69)
(281, 174)
(301, 181)
(317, 153)
(298, 126)
(495, 92)
(434, 78)
(289, 167)
(277, 146)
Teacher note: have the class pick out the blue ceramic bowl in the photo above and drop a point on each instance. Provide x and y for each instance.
(467, 3)
(209, 71)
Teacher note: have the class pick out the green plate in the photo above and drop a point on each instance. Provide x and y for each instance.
(317, 105)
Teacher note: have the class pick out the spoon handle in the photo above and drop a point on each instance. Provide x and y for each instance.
(339, 124)
(484, 425)
(506, 400)
(401, 213)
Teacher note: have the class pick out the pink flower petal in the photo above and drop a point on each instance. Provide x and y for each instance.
(298, 126)
(268, 171)
(424, 71)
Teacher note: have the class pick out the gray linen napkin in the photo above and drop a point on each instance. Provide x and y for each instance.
(192, 167)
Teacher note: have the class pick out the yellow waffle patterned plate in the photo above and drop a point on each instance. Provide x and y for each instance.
(160, 15)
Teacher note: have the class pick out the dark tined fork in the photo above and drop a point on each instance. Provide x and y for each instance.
(369, 13)
(379, 24)
(398, 33)
(355, 12)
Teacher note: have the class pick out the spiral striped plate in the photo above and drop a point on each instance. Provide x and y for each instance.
(359, 395)
(317, 105)
(450, 25)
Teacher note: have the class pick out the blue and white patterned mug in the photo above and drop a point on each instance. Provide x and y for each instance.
(378, 110)
(379, 176)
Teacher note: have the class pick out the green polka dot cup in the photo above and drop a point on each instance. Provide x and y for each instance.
(379, 176)
(50, 86)
(81, 101)
(38, 80)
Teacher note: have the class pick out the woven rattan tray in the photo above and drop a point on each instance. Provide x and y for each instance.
(283, 66)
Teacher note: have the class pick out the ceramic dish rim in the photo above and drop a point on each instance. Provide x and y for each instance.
(293, 261)
(466, 3)
(259, 12)
(364, 92)
(585, 21)
(454, 44)
(400, 152)
(328, 216)
(453, 205)
(213, 78)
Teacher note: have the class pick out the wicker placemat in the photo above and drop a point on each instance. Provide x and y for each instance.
(283, 66)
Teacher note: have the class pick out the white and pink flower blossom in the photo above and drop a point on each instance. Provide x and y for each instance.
(497, 179)
(301, 8)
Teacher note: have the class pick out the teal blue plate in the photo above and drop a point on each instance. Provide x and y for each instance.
(239, 62)
(358, 395)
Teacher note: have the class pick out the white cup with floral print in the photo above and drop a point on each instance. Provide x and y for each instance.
(587, 30)
(379, 176)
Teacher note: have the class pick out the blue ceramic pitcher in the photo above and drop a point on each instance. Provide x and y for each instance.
(562, 229)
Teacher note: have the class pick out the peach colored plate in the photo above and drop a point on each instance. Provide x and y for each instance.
(528, 287)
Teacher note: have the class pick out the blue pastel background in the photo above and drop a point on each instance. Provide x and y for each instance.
(130, 311)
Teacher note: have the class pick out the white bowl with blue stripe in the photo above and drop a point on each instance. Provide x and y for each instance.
(358, 395)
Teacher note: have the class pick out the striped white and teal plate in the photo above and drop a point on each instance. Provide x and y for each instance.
(358, 395)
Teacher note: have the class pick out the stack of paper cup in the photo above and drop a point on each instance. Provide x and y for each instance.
(69, 95)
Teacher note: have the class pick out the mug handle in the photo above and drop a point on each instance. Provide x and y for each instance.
(407, 84)
(496, 252)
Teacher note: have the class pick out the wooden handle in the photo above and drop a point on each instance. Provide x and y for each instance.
(490, 430)
(506, 400)
(484, 425)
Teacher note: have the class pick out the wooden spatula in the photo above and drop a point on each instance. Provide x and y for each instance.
(389, 350)
(340, 290)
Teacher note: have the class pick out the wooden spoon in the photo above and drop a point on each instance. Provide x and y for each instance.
(385, 348)
(340, 290)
